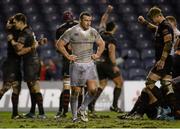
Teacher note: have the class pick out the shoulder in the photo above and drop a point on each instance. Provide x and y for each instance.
(28, 30)
(75, 22)
(93, 29)
(166, 24)
(177, 32)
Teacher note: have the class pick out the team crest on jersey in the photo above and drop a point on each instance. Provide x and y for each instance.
(91, 36)
(76, 34)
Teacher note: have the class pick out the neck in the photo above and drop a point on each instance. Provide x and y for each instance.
(161, 20)
(83, 27)
(23, 26)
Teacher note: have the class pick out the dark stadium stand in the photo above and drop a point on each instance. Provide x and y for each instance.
(133, 39)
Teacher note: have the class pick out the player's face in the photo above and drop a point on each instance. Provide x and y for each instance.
(17, 24)
(156, 19)
(172, 23)
(86, 22)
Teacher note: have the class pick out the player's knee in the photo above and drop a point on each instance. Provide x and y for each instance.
(66, 84)
(74, 93)
(167, 87)
(6, 86)
(93, 91)
(103, 84)
(119, 84)
(165, 82)
(150, 83)
(34, 87)
(16, 85)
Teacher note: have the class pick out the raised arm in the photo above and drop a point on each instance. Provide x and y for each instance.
(149, 25)
(105, 17)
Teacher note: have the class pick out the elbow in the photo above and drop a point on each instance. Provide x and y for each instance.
(19, 53)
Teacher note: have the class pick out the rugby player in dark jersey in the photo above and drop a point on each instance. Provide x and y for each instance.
(11, 69)
(26, 47)
(176, 60)
(65, 94)
(106, 66)
(162, 70)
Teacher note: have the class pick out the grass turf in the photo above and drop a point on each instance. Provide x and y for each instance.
(104, 120)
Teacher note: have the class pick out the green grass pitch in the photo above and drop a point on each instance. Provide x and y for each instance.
(104, 120)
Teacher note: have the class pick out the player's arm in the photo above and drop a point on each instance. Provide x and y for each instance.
(21, 50)
(149, 25)
(112, 53)
(61, 47)
(177, 43)
(105, 17)
(19, 45)
(167, 48)
(101, 46)
(112, 56)
(16, 45)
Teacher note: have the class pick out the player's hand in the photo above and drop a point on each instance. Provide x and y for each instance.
(109, 8)
(160, 64)
(116, 69)
(72, 58)
(141, 19)
(42, 41)
(95, 56)
(10, 37)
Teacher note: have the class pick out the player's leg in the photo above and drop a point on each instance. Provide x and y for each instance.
(16, 85)
(102, 85)
(169, 92)
(89, 76)
(35, 89)
(101, 70)
(117, 92)
(5, 87)
(64, 98)
(75, 90)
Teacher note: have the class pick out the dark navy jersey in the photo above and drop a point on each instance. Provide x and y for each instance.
(61, 30)
(108, 39)
(64, 27)
(27, 38)
(10, 49)
(164, 29)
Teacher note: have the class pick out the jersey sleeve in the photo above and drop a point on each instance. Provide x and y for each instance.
(166, 30)
(66, 36)
(97, 36)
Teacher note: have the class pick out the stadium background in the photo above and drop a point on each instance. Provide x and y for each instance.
(45, 16)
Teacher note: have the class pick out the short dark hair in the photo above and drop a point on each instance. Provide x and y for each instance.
(110, 26)
(85, 14)
(154, 11)
(67, 16)
(172, 19)
(20, 17)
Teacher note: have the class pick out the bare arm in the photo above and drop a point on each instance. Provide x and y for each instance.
(101, 46)
(21, 50)
(105, 16)
(166, 50)
(112, 53)
(167, 46)
(60, 45)
(149, 25)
